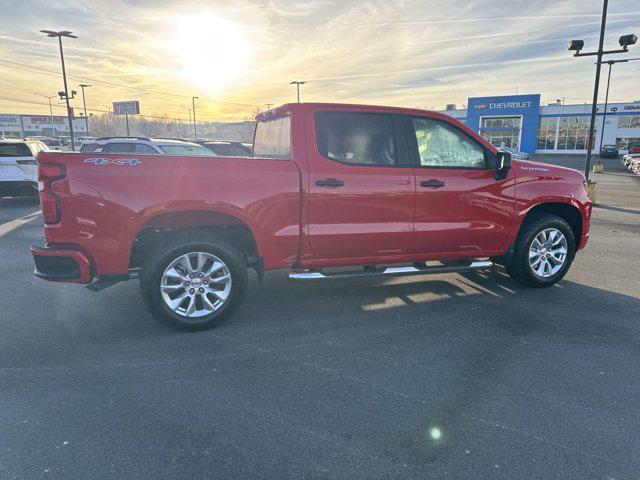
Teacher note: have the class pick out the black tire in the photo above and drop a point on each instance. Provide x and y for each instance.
(161, 257)
(519, 267)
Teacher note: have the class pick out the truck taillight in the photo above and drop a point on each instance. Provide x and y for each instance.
(47, 175)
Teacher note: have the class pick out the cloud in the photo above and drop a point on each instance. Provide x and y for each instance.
(407, 52)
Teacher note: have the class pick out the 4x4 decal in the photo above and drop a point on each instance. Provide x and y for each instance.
(115, 161)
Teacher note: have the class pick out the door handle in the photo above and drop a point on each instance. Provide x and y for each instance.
(432, 183)
(329, 182)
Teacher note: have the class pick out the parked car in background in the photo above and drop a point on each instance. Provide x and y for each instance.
(18, 167)
(79, 141)
(634, 148)
(609, 151)
(52, 143)
(146, 146)
(383, 190)
(224, 148)
(515, 154)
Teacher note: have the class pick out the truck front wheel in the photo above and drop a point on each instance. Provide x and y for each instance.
(194, 281)
(543, 251)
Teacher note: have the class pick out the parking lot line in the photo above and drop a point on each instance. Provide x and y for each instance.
(13, 224)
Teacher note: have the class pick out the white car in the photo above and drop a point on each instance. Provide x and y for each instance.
(146, 146)
(18, 167)
(516, 155)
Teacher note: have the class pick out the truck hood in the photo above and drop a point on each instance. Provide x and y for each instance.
(524, 168)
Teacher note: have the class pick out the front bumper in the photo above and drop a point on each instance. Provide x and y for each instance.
(60, 264)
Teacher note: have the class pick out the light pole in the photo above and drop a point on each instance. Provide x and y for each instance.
(50, 109)
(606, 98)
(297, 83)
(268, 105)
(84, 103)
(59, 35)
(577, 45)
(189, 114)
(195, 131)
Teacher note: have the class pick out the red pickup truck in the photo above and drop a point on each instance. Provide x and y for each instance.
(387, 191)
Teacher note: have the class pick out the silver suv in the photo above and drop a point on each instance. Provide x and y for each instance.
(146, 146)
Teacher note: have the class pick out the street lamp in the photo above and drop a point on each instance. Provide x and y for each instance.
(195, 131)
(64, 33)
(297, 83)
(606, 98)
(84, 103)
(576, 46)
(50, 109)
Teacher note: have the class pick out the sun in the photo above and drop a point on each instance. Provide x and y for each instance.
(212, 51)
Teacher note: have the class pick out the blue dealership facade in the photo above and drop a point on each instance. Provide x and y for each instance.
(521, 123)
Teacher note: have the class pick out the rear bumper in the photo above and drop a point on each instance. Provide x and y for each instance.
(18, 188)
(60, 264)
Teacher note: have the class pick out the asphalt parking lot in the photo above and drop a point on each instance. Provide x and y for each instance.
(447, 376)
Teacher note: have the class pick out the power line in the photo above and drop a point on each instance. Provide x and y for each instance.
(23, 66)
(34, 102)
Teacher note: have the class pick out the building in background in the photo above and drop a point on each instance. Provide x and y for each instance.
(521, 123)
(20, 126)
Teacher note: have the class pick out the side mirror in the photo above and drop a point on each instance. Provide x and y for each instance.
(503, 165)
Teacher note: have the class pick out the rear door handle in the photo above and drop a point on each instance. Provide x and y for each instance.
(329, 182)
(432, 183)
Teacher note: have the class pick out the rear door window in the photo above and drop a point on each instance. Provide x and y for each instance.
(119, 147)
(273, 139)
(145, 149)
(357, 138)
(90, 147)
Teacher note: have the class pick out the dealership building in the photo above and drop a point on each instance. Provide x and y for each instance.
(521, 123)
(20, 126)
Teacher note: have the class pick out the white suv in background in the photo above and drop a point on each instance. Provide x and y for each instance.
(146, 146)
(18, 167)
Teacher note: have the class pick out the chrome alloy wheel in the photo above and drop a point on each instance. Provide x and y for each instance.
(548, 253)
(195, 284)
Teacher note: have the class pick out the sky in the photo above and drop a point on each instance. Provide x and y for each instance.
(238, 56)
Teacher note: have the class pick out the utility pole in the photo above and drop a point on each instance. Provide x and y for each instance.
(606, 98)
(195, 131)
(268, 105)
(50, 110)
(297, 83)
(84, 102)
(59, 35)
(577, 45)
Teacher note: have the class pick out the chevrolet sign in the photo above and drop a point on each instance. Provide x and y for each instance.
(503, 105)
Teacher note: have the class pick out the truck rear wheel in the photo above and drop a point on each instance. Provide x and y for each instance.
(194, 281)
(543, 252)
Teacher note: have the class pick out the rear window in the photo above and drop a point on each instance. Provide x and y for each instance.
(273, 139)
(14, 150)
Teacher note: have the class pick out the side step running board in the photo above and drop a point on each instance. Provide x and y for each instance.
(389, 271)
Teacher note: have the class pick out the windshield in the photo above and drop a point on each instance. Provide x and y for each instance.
(187, 150)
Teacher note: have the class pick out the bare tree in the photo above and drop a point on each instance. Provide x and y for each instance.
(106, 125)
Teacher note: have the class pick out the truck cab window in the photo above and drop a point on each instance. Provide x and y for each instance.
(273, 139)
(358, 138)
(442, 145)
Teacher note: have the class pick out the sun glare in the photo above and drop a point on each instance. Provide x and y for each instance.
(212, 51)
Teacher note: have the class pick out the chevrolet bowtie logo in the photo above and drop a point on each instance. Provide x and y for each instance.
(482, 105)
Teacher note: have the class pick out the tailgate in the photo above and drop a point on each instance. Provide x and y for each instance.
(18, 169)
